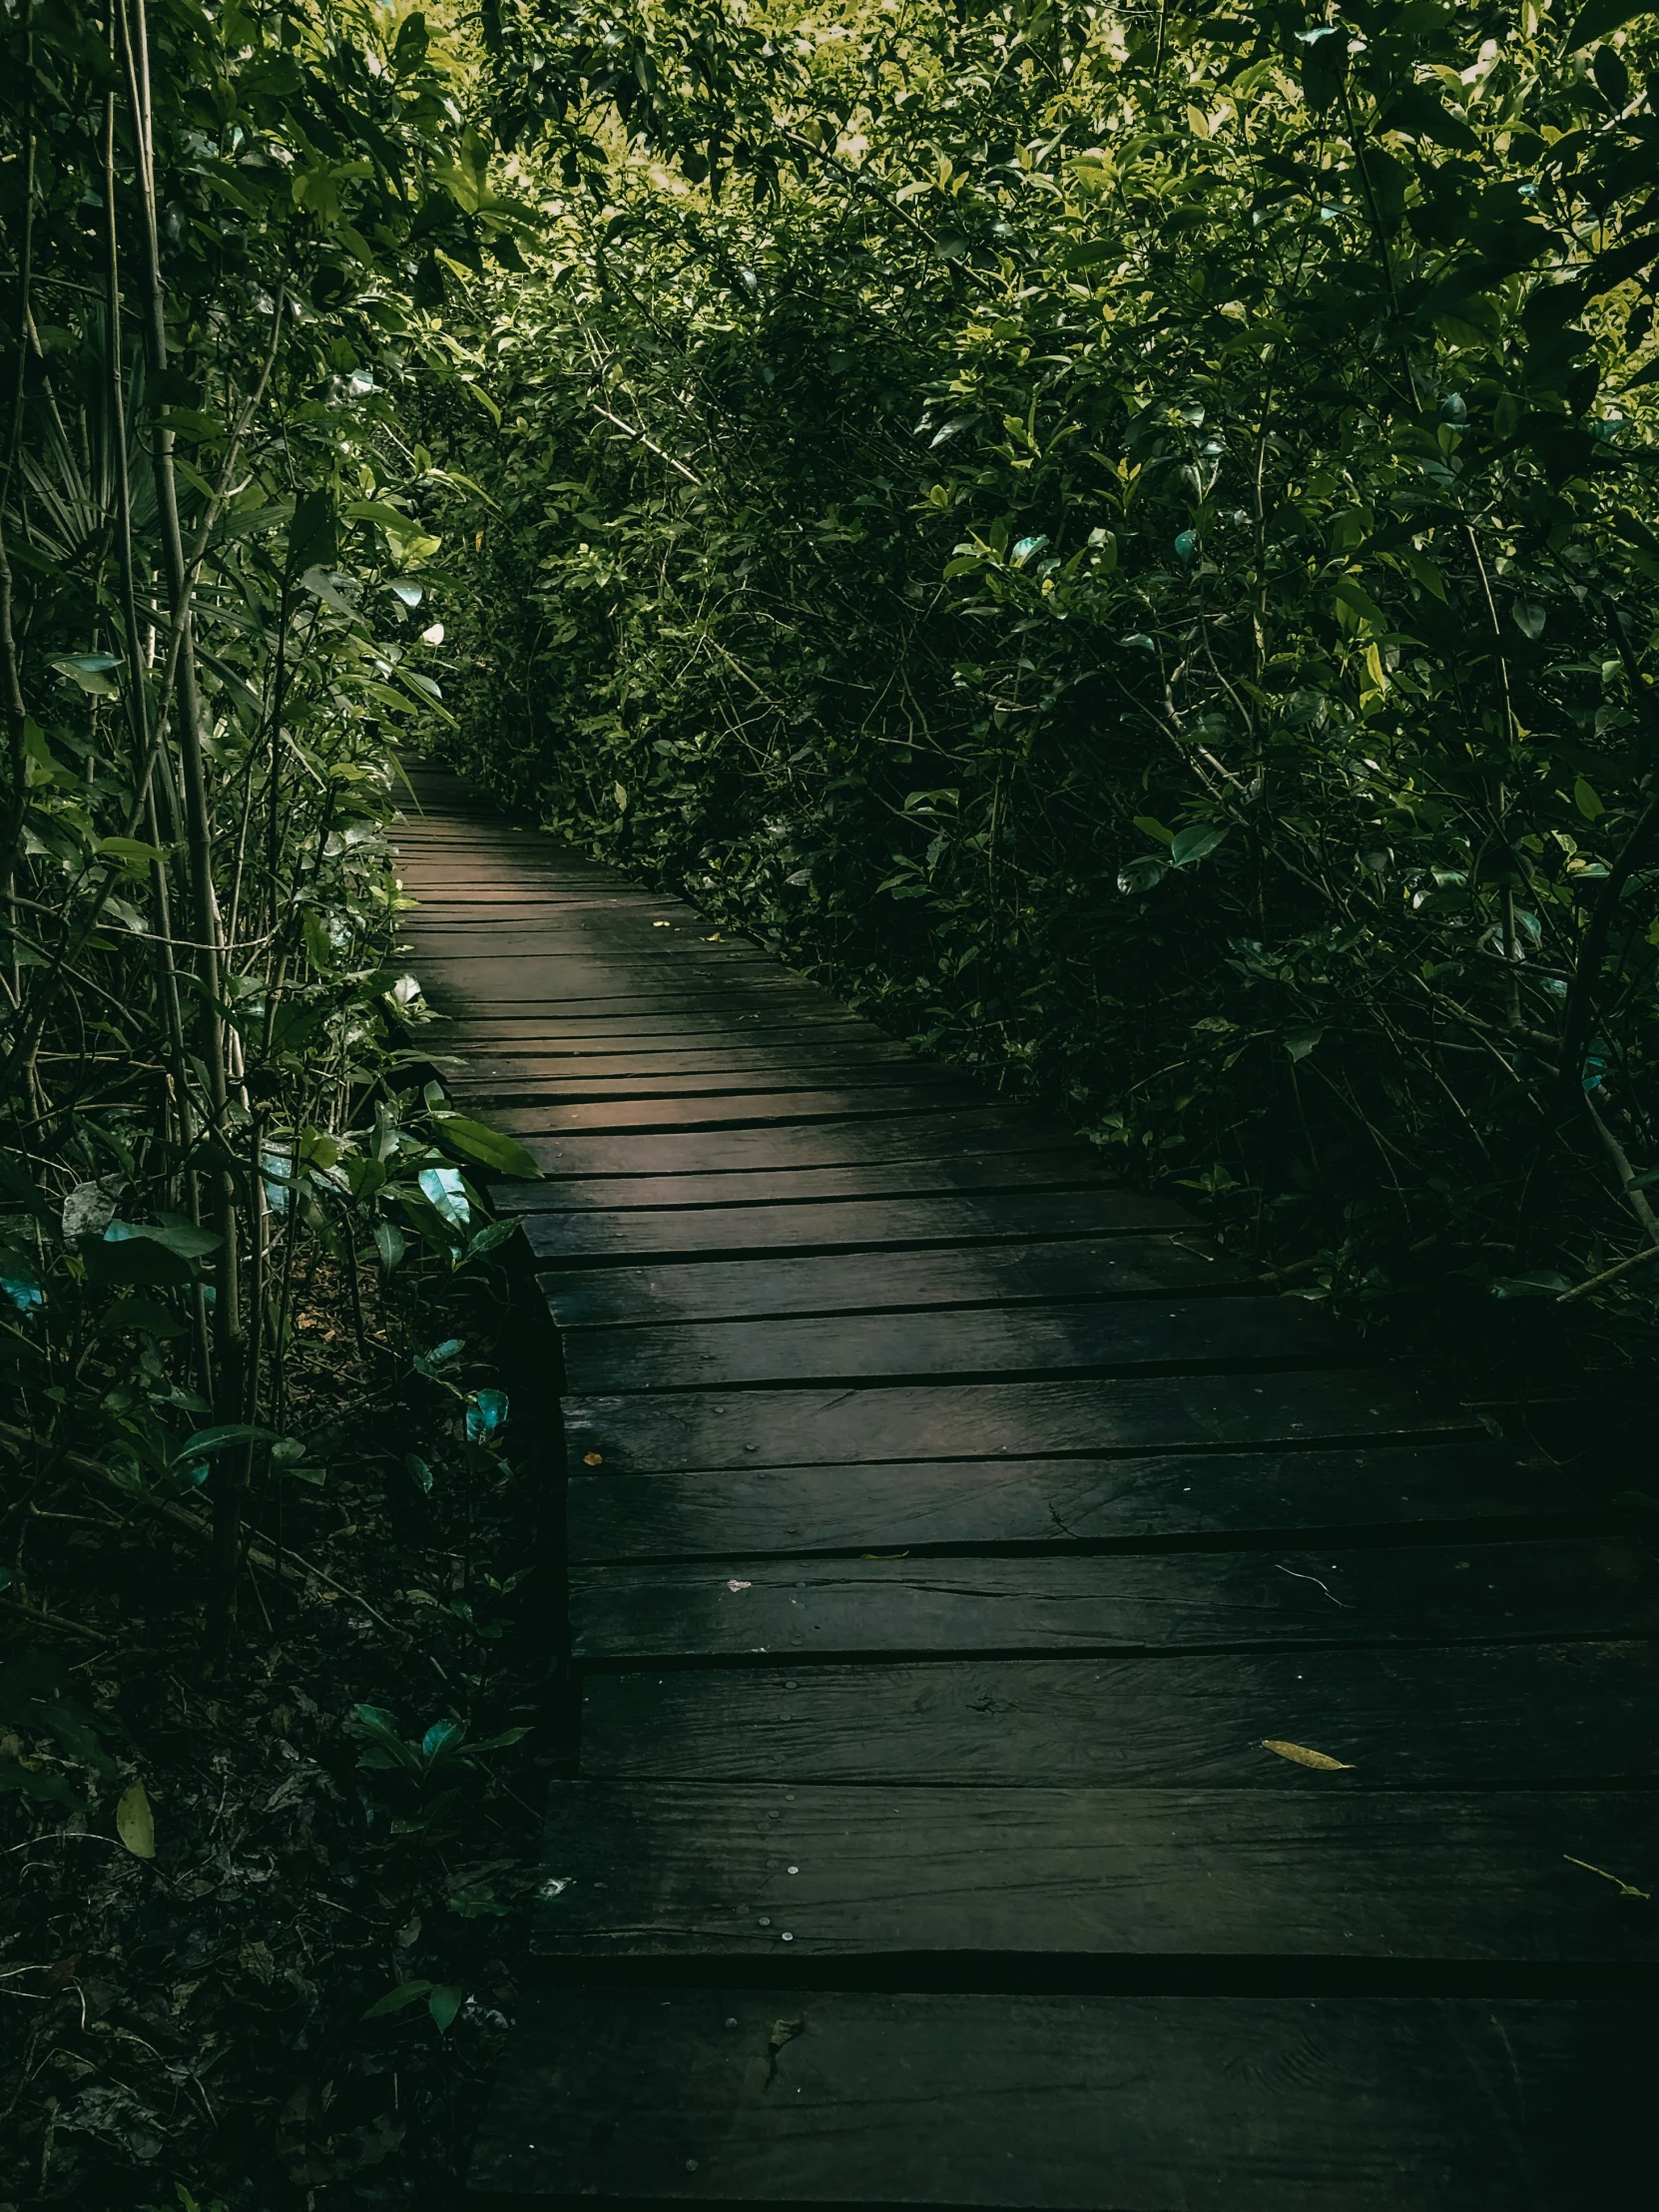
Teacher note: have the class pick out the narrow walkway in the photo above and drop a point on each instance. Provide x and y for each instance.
(975, 1584)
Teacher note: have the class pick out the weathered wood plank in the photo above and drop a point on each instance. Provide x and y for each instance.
(574, 1076)
(1055, 1503)
(862, 1282)
(729, 1870)
(880, 1099)
(642, 1434)
(1169, 1601)
(1089, 1337)
(1073, 2103)
(543, 1031)
(1448, 1717)
(779, 1189)
(928, 1135)
(853, 1223)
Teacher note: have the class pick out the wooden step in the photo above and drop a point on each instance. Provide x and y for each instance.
(1072, 2103)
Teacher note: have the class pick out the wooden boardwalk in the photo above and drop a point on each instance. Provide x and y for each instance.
(950, 1531)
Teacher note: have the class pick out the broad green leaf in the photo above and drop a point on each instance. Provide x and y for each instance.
(1197, 842)
(1599, 20)
(488, 1146)
(398, 1999)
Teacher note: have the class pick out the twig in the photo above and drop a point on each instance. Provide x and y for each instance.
(1621, 1267)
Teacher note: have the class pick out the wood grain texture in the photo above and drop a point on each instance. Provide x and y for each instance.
(866, 1141)
(1172, 1601)
(1061, 1171)
(1054, 1504)
(1446, 1717)
(1006, 1276)
(678, 1869)
(816, 1225)
(879, 1098)
(643, 1434)
(542, 1030)
(971, 1343)
(1072, 2103)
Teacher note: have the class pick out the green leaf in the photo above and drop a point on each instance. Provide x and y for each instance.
(443, 2004)
(135, 1824)
(1598, 19)
(1197, 842)
(1585, 799)
(206, 1441)
(398, 1999)
(1301, 1042)
(474, 1141)
(1154, 829)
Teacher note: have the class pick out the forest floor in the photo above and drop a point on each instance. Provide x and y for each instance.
(197, 2028)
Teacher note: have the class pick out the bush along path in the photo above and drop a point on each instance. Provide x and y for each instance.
(1125, 540)
(258, 1920)
(261, 1502)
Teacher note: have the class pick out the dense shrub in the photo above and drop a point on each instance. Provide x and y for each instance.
(1126, 541)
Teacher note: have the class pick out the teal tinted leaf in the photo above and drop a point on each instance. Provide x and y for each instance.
(1185, 545)
(1529, 617)
(23, 1289)
(488, 1146)
(442, 1736)
(391, 1244)
(1025, 548)
(443, 1189)
(443, 2004)
(485, 1415)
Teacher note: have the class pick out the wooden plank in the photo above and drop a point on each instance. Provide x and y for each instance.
(781, 1189)
(680, 1024)
(1079, 1335)
(834, 1427)
(880, 1099)
(1159, 1601)
(1555, 1715)
(561, 1087)
(921, 1136)
(1007, 1276)
(896, 1222)
(729, 1870)
(1054, 1502)
(1062, 2102)
(592, 991)
(649, 1071)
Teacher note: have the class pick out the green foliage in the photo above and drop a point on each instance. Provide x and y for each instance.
(1127, 541)
(224, 228)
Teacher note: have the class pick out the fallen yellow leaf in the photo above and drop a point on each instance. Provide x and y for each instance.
(1306, 1757)
(135, 1824)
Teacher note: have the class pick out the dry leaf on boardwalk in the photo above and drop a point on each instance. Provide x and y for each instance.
(1306, 1757)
